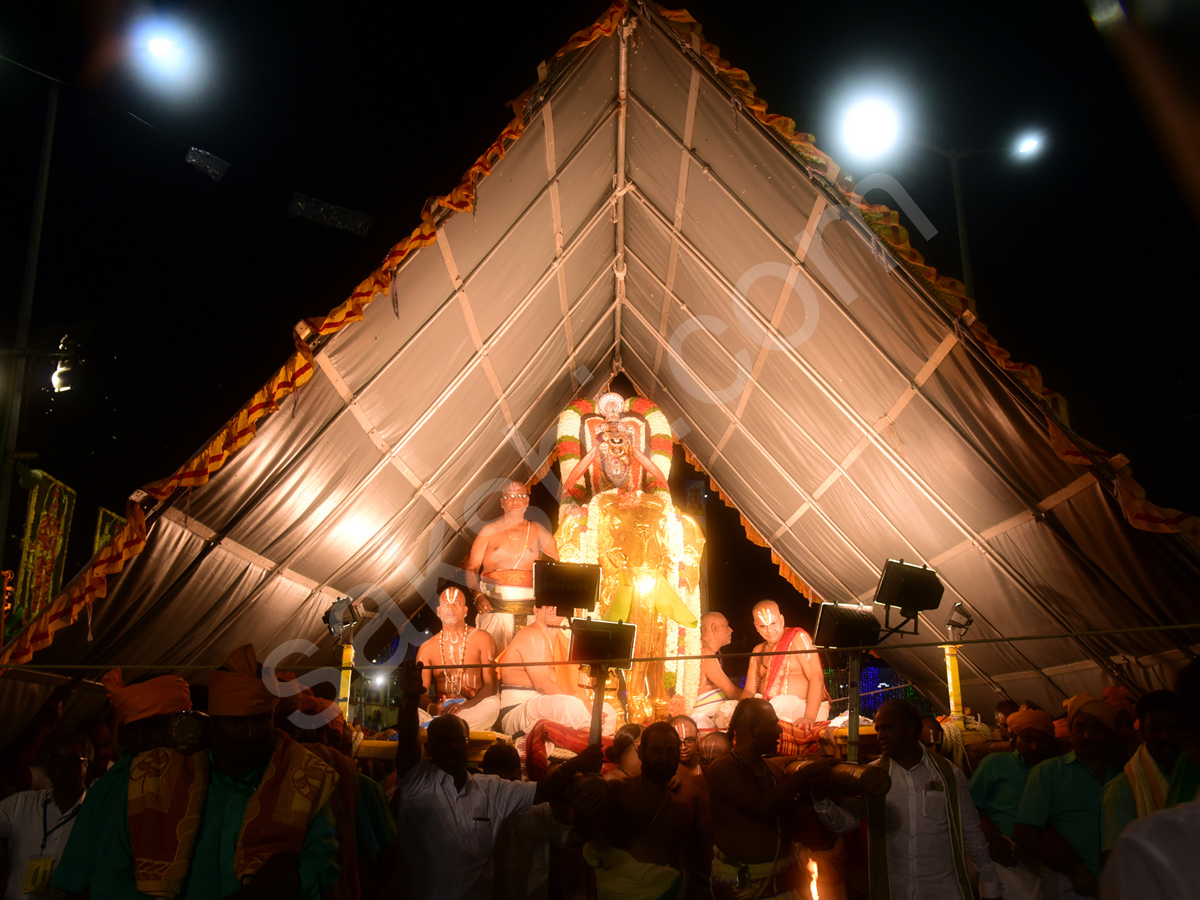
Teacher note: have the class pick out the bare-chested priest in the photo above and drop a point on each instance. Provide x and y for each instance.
(502, 557)
(794, 684)
(452, 689)
(715, 686)
(532, 692)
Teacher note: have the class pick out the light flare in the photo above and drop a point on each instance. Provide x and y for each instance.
(812, 875)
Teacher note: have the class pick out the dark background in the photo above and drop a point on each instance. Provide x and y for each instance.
(184, 290)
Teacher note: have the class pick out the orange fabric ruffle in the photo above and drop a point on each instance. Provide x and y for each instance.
(162, 696)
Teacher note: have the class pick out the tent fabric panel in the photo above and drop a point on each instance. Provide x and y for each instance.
(951, 467)
(584, 98)
(299, 504)
(795, 451)
(646, 240)
(582, 267)
(916, 516)
(502, 281)
(981, 403)
(1058, 575)
(763, 475)
(768, 182)
(280, 440)
(458, 466)
(502, 196)
(586, 182)
(545, 368)
(855, 574)
(452, 422)
(284, 610)
(418, 374)
(653, 160)
(419, 289)
(123, 633)
(1152, 569)
(659, 75)
(376, 562)
(888, 309)
(791, 393)
(511, 352)
(386, 494)
(816, 570)
(878, 539)
(591, 307)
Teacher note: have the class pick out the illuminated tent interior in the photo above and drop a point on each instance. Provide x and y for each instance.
(644, 213)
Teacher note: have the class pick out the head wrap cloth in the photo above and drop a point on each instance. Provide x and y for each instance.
(161, 696)
(1031, 720)
(237, 688)
(1092, 706)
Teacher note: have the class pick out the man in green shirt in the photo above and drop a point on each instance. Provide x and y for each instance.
(248, 816)
(996, 789)
(1059, 817)
(1143, 787)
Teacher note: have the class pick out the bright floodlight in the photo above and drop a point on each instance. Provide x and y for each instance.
(870, 127)
(166, 54)
(1029, 145)
(378, 681)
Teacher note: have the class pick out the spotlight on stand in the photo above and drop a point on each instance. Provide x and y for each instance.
(909, 588)
(848, 625)
(960, 620)
(335, 618)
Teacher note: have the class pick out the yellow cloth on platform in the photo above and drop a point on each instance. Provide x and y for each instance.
(1149, 784)
(620, 875)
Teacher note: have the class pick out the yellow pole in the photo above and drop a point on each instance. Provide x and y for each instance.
(344, 689)
(953, 683)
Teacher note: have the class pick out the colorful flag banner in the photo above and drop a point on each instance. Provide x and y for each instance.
(108, 523)
(44, 548)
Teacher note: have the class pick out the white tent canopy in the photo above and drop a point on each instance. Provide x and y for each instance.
(646, 222)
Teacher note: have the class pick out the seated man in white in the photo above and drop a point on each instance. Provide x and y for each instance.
(715, 686)
(452, 689)
(532, 692)
(793, 684)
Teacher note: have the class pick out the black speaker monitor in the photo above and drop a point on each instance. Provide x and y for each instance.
(909, 588)
(593, 639)
(566, 586)
(843, 626)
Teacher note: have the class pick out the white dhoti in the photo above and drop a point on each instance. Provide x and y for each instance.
(1020, 882)
(522, 707)
(707, 708)
(481, 716)
(789, 708)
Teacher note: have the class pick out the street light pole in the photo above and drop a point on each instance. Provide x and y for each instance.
(955, 155)
(17, 368)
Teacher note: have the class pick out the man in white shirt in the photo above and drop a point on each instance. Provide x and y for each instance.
(919, 836)
(449, 818)
(35, 825)
(1156, 855)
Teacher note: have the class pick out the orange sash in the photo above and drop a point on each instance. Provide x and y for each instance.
(778, 662)
(293, 789)
(513, 577)
(166, 802)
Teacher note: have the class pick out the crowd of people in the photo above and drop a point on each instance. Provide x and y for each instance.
(253, 788)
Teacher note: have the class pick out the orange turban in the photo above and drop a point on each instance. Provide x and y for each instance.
(288, 703)
(312, 705)
(162, 696)
(1093, 706)
(237, 689)
(1031, 720)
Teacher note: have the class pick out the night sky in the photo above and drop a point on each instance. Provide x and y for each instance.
(184, 290)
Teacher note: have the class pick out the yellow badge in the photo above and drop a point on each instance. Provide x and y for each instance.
(37, 875)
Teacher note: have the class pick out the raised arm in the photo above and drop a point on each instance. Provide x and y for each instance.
(728, 784)
(408, 745)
